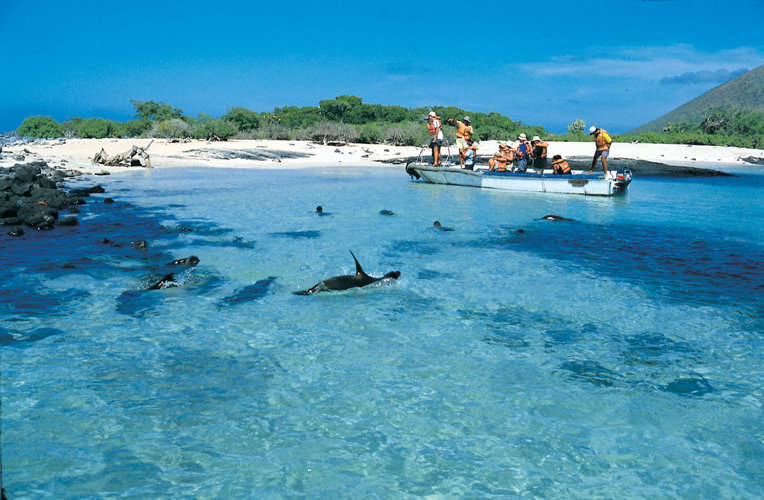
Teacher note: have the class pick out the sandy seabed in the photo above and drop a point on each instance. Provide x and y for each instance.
(77, 154)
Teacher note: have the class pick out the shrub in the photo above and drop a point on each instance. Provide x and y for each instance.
(40, 126)
(170, 129)
(370, 134)
(214, 130)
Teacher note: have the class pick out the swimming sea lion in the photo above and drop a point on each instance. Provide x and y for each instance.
(188, 261)
(165, 282)
(553, 217)
(437, 225)
(357, 280)
(386, 212)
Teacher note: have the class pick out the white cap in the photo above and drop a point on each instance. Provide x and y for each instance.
(432, 113)
(591, 130)
(466, 118)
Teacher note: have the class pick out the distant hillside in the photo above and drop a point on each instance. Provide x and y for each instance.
(746, 91)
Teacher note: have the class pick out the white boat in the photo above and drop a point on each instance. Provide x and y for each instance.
(537, 182)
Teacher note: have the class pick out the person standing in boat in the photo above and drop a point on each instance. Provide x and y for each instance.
(436, 137)
(539, 153)
(464, 131)
(603, 141)
(471, 155)
(523, 153)
(560, 166)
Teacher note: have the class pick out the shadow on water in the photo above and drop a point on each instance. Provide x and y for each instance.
(256, 291)
(12, 337)
(682, 264)
(299, 234)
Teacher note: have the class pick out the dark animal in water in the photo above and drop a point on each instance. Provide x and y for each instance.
(357, 280)
(386, 212)
(188, 261)
(165, 282)
(553, 217)
(437, 225)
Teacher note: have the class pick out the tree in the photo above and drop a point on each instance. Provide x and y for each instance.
(156, 111)
(577, 126)
(335, 109)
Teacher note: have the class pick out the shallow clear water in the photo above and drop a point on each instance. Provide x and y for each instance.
(618, 355)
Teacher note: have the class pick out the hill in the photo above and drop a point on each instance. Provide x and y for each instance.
(746, 91)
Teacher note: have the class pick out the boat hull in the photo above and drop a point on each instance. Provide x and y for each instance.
(591, 185)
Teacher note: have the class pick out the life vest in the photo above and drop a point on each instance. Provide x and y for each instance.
(431, 126)
(464, 131)
(522, 151)
(543, 146)
(562, 165)
(603, 141)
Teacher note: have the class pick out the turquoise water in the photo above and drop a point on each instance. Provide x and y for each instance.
(618, 355)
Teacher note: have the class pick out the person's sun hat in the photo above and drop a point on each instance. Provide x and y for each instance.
(522, 137)
(432, 113)
(592, 130)
(467, 119)
(536, 138)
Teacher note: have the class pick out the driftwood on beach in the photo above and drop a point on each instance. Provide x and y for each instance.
(135, 157)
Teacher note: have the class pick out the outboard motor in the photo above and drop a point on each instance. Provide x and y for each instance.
(622, 178)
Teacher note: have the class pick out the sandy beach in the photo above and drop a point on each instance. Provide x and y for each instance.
(77, 154)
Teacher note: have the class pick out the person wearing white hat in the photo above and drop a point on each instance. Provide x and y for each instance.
(523, 153)
(603, 141)
(436, 137)
(539, 153)
(464, 131)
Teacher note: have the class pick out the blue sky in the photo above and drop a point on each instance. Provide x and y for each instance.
(614, 64)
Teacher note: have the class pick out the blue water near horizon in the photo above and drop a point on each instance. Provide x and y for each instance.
(617, 355)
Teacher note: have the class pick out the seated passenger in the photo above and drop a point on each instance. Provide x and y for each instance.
(560, 166)
(498, 157)
(522, 153)
(470, 155)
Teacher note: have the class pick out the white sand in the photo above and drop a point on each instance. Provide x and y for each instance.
(76, 154)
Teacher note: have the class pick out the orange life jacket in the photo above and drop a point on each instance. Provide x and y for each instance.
(431, 127)
(464, 131)
(563, 165)
(603, 141)
(543, 146)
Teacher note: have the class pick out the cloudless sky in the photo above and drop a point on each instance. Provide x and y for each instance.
(615, 64)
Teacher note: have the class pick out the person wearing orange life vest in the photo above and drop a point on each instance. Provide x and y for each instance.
(603, 141)
(523, 153)
(464, 131)
(539, 153)
(498, 158)
(436, 137)
(560, 166)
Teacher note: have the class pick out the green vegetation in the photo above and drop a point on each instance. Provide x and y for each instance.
(744, 92)
(343, 119)
(718, 127)
(40, 126)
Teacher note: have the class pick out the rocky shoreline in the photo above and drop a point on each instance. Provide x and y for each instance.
(33, 195)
